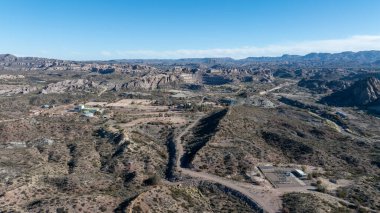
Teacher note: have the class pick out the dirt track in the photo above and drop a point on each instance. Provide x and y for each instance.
(256, 195)
(267, 197)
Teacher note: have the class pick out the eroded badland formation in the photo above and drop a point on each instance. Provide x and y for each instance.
(291, 134)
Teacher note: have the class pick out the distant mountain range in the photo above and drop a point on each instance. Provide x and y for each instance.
(362, 57)
(368, 56)
(357, 58)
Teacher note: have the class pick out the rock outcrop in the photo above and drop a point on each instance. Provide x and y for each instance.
(362, 93)
(264, 75)
(215, 79)
(14, 90)
(11, 77)
(259, 101)
(153, 81)
(24, 90)
(70, 85)
(12, 63)
(322, 86)
(148, 82)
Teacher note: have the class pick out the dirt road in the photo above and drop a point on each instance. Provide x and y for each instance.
(256, 197)
(265, 196)
(275, 88)
(178, 141)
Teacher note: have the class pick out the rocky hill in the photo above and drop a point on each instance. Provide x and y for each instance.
(12, 63)
(69, 85)
(322, 86)
(153, 81)
(362, 93)
(148, 82)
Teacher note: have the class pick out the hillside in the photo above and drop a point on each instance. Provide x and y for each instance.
(362, 93)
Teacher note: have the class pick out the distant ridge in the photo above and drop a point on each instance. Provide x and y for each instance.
(368, 56)
(371, 57)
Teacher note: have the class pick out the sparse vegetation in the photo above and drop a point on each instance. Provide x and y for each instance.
(232, 118)
(153, 180)
(308, 203)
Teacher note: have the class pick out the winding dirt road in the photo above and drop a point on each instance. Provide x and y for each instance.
(248, 190)
(266, 197)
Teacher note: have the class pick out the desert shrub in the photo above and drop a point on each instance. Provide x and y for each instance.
(61, 210)
(34, 204)
(153, 180)
(63, 183)
(321, 188)
(315, 174)
(103, 209)
(341, 192)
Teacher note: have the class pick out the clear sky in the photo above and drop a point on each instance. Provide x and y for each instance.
(114, 29)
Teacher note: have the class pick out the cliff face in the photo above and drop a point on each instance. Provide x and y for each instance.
(362, 93)
(153, 81)
(149, 82)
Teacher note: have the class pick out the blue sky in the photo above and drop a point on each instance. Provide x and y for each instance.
(94, 29)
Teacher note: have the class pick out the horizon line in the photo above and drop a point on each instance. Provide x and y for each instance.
(191, 58)
(353, 43)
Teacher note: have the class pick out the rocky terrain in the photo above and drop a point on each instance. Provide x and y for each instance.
(11, 62)
(151, 82)
(69, 86)
(362, 93)
(298, 202)
(191, 135)
(323, 86)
